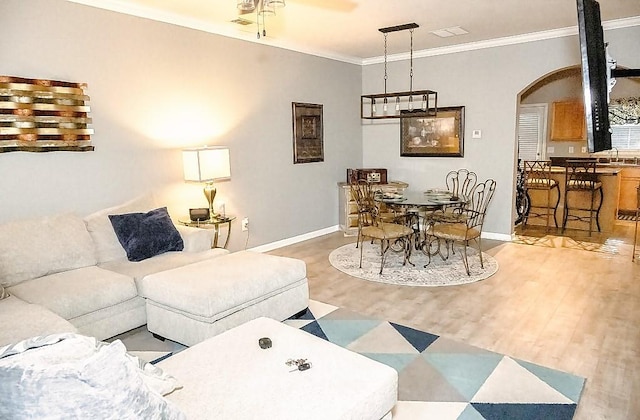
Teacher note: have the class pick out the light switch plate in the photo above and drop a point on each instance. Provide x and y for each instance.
(571, 149)
(584, 149)
(476, 134)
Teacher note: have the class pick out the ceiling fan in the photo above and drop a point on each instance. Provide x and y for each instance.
(264, 8)
(249, 6)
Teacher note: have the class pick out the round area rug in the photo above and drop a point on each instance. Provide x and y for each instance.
(438, 273)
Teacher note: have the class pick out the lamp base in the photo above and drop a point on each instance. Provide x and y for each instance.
(210, 192)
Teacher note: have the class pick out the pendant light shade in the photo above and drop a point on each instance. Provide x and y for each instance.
(246, 5)
(275, 3)
(266, 10)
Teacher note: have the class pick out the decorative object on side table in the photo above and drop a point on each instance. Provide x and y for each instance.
(207, 164)
(199, 215)
(308, 143)
(433, 136)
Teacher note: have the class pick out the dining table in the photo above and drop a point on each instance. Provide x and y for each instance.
(417, 206)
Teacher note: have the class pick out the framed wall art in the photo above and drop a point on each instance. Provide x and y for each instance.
(307, 133)
(41, 115)
(439, 136)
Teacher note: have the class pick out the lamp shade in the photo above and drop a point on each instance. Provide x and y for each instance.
(206, 164)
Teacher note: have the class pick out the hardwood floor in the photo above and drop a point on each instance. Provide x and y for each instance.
(568, 303)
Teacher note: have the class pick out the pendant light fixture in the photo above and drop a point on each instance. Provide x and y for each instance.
(419, 103)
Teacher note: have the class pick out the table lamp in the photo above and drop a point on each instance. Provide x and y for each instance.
(207, 164)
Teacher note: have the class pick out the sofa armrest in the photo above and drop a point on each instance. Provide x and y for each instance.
(195, 239)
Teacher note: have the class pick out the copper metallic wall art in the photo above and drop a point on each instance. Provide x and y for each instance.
(38, 115)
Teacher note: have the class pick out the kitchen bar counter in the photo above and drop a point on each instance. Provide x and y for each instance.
(608, 175)
(600, 170)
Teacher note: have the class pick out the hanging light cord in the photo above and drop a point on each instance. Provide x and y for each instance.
(258, 22)
(411, 64)
(264, 26)
(385, 64)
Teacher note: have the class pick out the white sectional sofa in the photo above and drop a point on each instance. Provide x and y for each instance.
(66, 283)
(71, 274)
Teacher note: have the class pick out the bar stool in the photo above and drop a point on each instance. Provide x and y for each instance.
(537, 175)
(582, 180)
(635, 234)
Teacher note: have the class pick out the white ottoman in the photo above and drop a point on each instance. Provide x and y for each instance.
(194, 302)
(231, 377)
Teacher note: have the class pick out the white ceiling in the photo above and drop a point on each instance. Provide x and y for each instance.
(348, 29)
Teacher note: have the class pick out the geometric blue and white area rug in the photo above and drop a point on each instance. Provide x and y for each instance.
(438, 378)
(444, 379)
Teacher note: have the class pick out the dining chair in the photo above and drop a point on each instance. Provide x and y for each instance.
(537, 177)
(387, 233)
(468, 226)
(581, 181)
(461, 182)
(363, 194)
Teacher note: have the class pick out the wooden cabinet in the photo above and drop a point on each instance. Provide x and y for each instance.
(348, 216)
(629, 181)
(567, 121)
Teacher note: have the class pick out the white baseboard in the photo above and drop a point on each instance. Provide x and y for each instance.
(290, 241)
(497, 236)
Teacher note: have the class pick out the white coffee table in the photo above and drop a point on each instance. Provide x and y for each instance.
(230, 377)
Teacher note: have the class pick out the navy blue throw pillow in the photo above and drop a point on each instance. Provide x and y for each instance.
(144, 235)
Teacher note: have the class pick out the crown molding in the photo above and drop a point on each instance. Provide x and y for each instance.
(500, 42)
(120, 6)
(128, 8)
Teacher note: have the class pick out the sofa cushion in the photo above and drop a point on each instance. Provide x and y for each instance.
(106, 242)
(35, 248)
(162, 262)
(196, 239)
(70, 375)
(20, 320)
(145, 235)
(77, 292)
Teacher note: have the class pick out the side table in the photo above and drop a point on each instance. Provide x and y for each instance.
(215, 224)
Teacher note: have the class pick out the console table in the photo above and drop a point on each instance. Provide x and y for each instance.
(348, 216)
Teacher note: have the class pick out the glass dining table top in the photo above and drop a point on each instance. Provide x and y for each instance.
(427, 198)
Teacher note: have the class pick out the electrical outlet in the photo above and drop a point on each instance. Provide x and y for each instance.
(584, 149)
(245, 224)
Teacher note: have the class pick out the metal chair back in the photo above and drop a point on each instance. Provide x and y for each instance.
(461, 182)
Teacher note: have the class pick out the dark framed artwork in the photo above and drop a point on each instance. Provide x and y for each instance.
(439, 136)
(307, 133)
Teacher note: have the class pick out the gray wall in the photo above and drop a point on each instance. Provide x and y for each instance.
(487, 82)
(156, 88)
